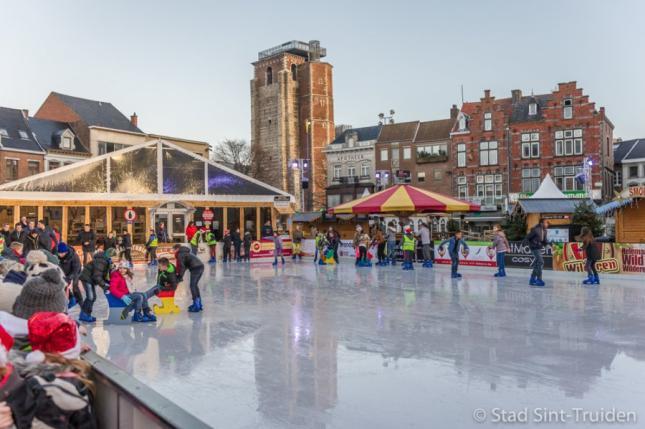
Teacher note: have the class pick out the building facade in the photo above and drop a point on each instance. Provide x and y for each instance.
(292, 118)
(507, 146)
(20, 153)
(629, 158)
(417, 153)
(350, 164)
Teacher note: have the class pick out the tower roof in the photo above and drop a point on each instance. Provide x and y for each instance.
(296, 47)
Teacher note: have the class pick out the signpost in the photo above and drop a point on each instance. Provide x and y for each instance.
(130, 215)
(208, 215)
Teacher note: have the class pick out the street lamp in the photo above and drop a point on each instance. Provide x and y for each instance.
(301, 165)
(385, 119)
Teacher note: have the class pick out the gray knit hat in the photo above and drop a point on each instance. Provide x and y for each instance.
(45, 292)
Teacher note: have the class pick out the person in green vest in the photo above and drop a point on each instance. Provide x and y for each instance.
(211, 241)
(409, 244)
(151, 247)
(194, 241)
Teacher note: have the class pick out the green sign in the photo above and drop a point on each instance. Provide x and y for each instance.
(569, 194)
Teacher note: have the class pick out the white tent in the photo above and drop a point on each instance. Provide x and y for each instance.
(548, 189)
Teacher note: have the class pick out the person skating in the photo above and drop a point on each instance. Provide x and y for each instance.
(379, 240)
(390, 237)
(248, 240)
(363, 245)
(87, 240)
(236, 238)
(592, 254)
(162, 232)
(298, 236)
(333, 240)
(211, 242)
(426, 244)
(151, 247)
(95, 273)
(320, 242)
(277, 248)
(455, 245)
(194, 241)
(537, 241)
(70, 263)
(226, 246)
(357, 238)
(120, 289)
(191, 229)
(408, 245)
(186, 261)
(126, 243)
(501, 246)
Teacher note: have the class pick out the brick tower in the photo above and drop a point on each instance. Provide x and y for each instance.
(292, 117)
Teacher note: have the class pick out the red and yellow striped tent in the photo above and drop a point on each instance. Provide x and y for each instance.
(405, 199)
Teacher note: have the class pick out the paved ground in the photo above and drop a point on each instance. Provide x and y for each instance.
(340, 347)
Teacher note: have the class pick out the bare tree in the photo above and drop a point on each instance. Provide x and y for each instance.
(241, 156)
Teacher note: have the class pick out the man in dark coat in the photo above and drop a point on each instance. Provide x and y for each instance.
(537, 241)
(236, 238)
(70, 263)
(87, 240)
(95, 273)
(186, 261)
(18, 234)
(32, 242)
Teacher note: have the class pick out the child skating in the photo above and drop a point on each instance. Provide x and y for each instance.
(501, 246)
(592, 253)
(455, 245)
(409, 245)
(277, 249)
(151, 247)
(211, 242)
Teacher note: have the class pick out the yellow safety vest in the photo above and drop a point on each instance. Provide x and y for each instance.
(408, 243)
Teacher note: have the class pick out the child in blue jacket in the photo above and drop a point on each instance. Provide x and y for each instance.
(455, 243)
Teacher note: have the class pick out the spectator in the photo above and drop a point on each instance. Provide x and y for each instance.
(87, 240)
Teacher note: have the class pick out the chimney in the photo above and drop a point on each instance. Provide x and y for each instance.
(516, 95)
(25, 113)
(487, 93)
(134, 119)
(454, 111)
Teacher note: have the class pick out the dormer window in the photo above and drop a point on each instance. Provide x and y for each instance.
(67, 140)
(532, 108)
(568, 109)
(66, 143)
(463, 122)
(23, 135)
(488, 121)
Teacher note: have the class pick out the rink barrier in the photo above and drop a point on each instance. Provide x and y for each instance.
(124, 402)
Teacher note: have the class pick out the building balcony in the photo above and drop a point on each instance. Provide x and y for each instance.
(348, 180)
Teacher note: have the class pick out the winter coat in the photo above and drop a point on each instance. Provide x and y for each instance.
(592, 250)
(333, 240)
(298, 236)
(391, 233)
(127, 241)
(168, 279)
(47, 238)
(190, 231)
(536, 238)
(186, 261)
(247, 239)
(267, 231)
(110, 243)
(454, 245)
(118, 285)
(31, 243)
(236, 239)
(10, 254)
(227, 241)
(424, 234)
(364, 240)
(17, 236)
(6, 235)
(71, 266)
(87, 237)
(9, 382)
(97, 271)
(500, 243)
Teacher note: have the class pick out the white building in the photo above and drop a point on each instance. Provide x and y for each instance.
(629, 159)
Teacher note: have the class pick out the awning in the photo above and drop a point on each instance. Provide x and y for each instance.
(613, 205)
(286, 210)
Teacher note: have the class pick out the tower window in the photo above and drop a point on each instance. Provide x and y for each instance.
(488, 121)
(269, 77)
(532, 109)
(568, 108)
(294, 72)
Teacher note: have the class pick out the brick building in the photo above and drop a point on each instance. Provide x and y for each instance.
(292, 116)
(20, 153)
(417, 153)
(506, 146)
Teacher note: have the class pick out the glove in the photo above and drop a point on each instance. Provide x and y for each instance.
(126, 299)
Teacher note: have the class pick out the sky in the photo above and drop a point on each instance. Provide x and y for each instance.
(184, 66)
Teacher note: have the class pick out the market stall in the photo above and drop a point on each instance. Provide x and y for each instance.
(628, 211)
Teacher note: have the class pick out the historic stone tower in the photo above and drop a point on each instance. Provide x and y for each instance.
(292, 117)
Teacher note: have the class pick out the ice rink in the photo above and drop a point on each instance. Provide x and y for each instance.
(343, 347)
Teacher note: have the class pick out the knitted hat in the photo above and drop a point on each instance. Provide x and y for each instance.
(35, 257)
(42, 292)
(53, 333)
(35, 270)
(6, 342)
(62, 247)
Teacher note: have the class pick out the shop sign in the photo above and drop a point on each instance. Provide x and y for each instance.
(130, 215)
(281, 201)
(637, 191)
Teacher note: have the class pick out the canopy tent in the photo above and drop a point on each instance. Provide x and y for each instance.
(548, 190)
(405, 199)
(155, 171)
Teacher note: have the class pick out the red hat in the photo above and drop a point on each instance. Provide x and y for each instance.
(6, 342)
(51, 332)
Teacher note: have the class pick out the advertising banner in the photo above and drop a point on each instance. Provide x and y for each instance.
(264, 248)
(619, 258)
(479, 255)
(520, 256)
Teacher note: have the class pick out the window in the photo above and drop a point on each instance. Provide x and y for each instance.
(438, 174)
(384, 155)
(568, 109)
(269, 76)
(365, 170)
(488, 153)
(23, 135)
(463, 123)
(106, 147)
(462, 187)
(333, 200)
(532, 109)
(461, 155)
(33, 167)
(294, 72)
(530, 179)
(66, 143)
(421, 176)
(530, 145)
(489, 187)
(565, 178)
(618, 179)
(436, 152)
(488, 121)
(568, 142)
(336, 171)
(407, 153)
(53, 165)
(4, 133)
(11, 169)
(351, 171)
(633, 171)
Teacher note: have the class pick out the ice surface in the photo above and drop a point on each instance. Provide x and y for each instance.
(345, 347)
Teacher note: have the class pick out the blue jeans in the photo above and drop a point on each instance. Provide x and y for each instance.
(140, 299)
(391, 248)
(195, 275)
(90, 297)
(538, 263)
(501, 264)
(454, 263)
